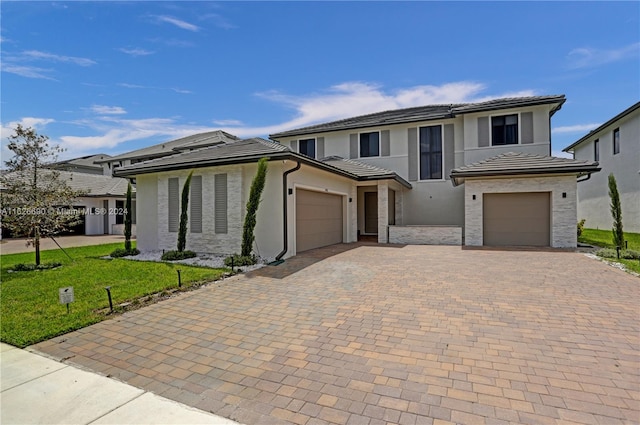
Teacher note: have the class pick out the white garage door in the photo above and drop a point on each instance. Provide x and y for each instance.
(516, 219)
(318, 219)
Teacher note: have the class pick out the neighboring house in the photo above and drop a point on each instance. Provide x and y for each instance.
(185, 144)
(101, 205)
(85, 164)
(616, 147)
(473, 174)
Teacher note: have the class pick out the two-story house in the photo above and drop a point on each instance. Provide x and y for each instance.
(616, 146)
(473, 174)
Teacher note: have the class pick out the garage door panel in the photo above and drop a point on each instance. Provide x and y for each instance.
(319, 220)
(516, 219)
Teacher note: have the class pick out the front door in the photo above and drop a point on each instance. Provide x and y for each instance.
(371, 212)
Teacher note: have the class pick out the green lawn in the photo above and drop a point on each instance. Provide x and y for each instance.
(29, 304)
(604, 239)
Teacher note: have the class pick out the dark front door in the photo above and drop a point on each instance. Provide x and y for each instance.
(371, 212)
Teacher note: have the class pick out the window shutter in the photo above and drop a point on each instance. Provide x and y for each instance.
(449, 150)
(526, 127)
(174, 204)
(413, 154)
(385, 143)
(483, 132)
(294, 145)
(195, 219)
(320, 148)
(353, 146)
(220, 203)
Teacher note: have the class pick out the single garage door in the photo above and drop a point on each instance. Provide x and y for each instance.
(318, 219)
(516, 219)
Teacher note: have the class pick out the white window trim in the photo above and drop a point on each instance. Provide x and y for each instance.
(379, 144)
(444, 178)
(491, 145)
(315, 146)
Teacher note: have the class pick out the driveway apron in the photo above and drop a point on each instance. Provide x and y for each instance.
(374, 334)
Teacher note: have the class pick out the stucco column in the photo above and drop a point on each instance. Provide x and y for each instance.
(352, 208)
(383, 211)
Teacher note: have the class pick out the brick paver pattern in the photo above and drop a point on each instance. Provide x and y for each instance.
(366, 334)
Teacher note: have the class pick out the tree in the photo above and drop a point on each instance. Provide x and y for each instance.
(184, 217)
(36, 201)
(257, 186)
(616, 212)
(127, 220)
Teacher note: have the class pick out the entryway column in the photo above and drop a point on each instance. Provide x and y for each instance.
(383, 211)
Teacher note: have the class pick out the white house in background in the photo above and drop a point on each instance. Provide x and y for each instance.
(473, 174)
(101, 205)
(616, 147)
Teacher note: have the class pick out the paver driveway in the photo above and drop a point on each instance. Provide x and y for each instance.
(366, 334)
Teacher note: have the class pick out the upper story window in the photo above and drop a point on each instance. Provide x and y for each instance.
(616, 141)
(369, 144)
(504, 130)
(596, 150)
(431, 152)
(307, 147)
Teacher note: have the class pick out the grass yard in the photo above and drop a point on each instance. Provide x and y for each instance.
(604, 239)
(29, 302)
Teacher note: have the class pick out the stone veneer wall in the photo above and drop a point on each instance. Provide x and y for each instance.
(425, 235)
(563, 210)
(207, 241)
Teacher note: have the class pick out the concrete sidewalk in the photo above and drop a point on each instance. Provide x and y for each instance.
(38, 390)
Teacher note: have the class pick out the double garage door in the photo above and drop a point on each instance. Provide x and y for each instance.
(516, 219)
(318, 219)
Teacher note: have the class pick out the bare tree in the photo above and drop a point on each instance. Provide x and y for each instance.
(35, 201)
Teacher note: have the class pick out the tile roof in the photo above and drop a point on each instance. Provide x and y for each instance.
(83, 161)
(193, 141)
(90, 185)
(423, 113)
(513, 163)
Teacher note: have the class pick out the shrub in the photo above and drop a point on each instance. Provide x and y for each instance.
(581, 227)
(178, 255)
(127, 222)
(21, 267)
(616, 212)
(184, 216)
(121, 252)
(240, 260)
(257, 185)
(627, 254)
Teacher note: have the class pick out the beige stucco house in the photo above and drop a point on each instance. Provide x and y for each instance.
(464, 174)
(616, 146)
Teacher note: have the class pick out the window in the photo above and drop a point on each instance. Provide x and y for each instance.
(616, 141)
(174, 204)
(431, 152)
(596, 150)
(119, 212)
(369, 144)
(504, 130)
(307, 147)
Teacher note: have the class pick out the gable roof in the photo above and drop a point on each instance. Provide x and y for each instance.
(89, 185)
(251, 150)
(603, 126)
(185, 143)
(423, 113)
(88, 161)
(512, 163)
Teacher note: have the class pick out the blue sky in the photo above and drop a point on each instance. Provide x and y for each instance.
(109, 77)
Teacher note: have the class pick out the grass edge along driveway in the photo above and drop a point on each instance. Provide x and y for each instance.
(604, 239)
(29, 303)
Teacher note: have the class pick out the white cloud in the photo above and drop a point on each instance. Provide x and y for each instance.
(576, 128)
(181, 91)
(136, 52)
(178, 23)
(219, 21)
(228, 122)
(26, 71)
(38, 55)
(108, 110)
(561, 154)
(587, 57)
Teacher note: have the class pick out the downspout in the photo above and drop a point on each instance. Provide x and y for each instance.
(585, 179)
(285, 233)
